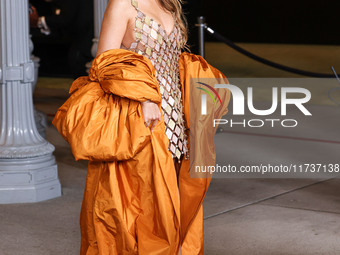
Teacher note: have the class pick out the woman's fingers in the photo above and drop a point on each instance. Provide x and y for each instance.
(151, 114)
(147, 123)
(154, 123)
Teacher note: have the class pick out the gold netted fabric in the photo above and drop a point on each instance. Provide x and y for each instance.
(163, 50)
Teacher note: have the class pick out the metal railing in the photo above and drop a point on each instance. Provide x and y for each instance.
(202, 27)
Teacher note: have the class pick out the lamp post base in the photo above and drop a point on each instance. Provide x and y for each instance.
(29, 180)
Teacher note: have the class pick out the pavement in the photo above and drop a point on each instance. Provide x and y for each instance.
(294, 215)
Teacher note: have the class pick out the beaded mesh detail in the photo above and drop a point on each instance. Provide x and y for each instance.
(163, 51)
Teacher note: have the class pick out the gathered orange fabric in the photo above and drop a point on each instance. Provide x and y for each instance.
(131, 200)
(193, 190)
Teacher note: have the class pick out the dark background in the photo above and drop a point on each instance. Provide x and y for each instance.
(264, 21)
(68, 48)
(300, 21)
(270, 21)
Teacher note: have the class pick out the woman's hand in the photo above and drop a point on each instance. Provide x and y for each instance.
(151, 113)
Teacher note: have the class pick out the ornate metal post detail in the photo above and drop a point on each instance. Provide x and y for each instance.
(40, 117)
(28, 170)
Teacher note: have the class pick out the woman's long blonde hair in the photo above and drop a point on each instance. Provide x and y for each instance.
(175, 6)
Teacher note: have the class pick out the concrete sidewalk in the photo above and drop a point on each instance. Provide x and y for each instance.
(242, 216)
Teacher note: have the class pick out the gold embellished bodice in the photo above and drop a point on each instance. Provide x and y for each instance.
(163, 50)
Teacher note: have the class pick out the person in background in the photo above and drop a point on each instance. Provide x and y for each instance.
(60, 19)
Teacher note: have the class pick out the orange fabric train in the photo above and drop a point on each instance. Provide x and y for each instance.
(131, 200)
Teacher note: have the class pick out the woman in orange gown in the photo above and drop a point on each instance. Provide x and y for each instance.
(131, 119)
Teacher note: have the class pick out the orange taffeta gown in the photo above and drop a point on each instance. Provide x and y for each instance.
(134, 203)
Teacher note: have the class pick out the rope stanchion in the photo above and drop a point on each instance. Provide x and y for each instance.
(334, 89)
(201, 26)
(263, 60)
